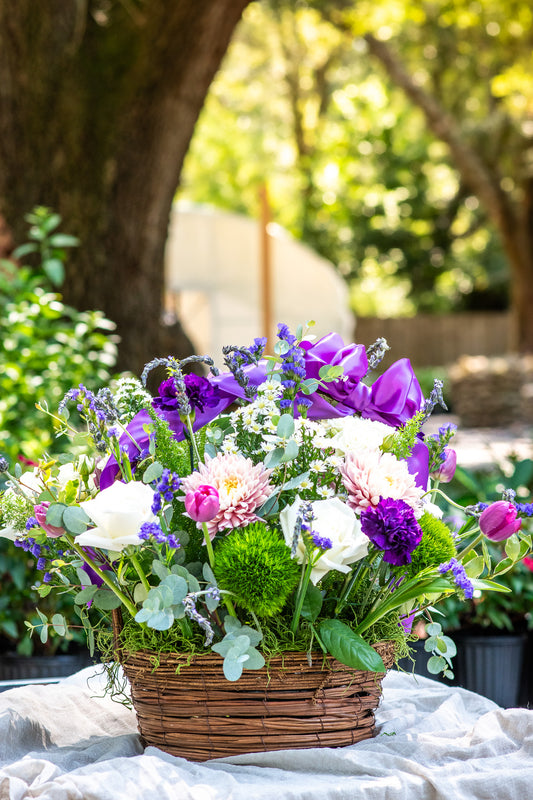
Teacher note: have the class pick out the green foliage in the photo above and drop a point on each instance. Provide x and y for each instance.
(256, 565)
(46, 347)
(238, 649)
(351, 167)
(437, 545)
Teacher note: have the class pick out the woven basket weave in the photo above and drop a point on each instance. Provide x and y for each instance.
(186, 707)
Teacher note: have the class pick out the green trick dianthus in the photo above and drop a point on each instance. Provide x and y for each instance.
(437, 545)
(256, 565)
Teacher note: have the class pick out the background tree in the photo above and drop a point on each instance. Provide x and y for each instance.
(351, 166)
(98, 101)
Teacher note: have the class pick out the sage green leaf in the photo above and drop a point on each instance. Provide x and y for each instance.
(348, 647)
(106, 600)
(153, 472)
(75, 520)
(54, 514)
(87, 594)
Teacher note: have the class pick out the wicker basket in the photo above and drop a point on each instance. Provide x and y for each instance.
(186, 707)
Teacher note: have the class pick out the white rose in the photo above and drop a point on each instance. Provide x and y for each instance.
(118, 513)
(334, 520)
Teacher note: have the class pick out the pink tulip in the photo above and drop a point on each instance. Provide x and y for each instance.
(498, 521)
(40, 515)
(446, 470)
(202, 503)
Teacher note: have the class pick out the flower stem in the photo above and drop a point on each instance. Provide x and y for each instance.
(135, 561)
(211, 556)
(192, 439)
(471, 546)
(101, 574)
(302, 589)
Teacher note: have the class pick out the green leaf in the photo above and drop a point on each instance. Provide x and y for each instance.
(291, 451)
(475, 566)
(153, 472)
(512, 547)
(63, 240)
(160, 570)
(106, 600)
(54, 514)
(436, 664)
(312, 603)
(255, 659)
(273, 458)
(54, 270)
(87, 594)
(285, 427)
(75, 520)
(59, 624)
(348, 647)
(232, 669)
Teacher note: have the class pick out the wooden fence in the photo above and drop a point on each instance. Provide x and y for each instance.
(431, 340)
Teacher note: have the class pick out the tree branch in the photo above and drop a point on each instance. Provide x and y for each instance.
(472, 169)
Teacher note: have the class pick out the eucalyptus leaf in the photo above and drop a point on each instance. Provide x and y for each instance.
(54, 514)
(75, 520)
(86, 595)
(159, 569)
(285, 427)
(106, 600)
(232, 669)
(59, 624)
(153, 472)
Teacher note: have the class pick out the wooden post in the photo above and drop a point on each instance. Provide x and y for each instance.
(265, 268)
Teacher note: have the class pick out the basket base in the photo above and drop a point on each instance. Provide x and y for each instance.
(186, 707)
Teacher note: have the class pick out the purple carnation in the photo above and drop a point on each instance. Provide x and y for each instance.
(392, 527)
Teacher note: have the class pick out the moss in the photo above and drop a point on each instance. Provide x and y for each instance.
(256, 564)
(437, 545)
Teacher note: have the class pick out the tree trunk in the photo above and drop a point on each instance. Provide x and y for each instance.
(98, 103)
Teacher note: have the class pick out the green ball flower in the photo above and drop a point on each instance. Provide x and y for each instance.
(437, 545)
(256, 565)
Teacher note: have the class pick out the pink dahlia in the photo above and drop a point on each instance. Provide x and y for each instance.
(241, 486)
(369, 475)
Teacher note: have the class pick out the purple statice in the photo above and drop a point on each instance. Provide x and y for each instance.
(31, 522)
(321, 542)
(292, 366)
(165, 489)
(4, 464)
(151, 530)
(41, 563)
(460, 577)
(525, 509)
(391, 526)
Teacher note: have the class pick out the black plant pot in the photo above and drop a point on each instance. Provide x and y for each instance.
(492, 665)
(22, 669)
(420, 657)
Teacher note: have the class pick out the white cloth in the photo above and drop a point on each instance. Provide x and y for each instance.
(63, 742)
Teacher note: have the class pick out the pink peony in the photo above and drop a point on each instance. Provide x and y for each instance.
(369, 475)
(242, 488)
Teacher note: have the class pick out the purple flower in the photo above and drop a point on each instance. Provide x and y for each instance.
(498, 521)
(201, 394)
(392, 527)
(460, 577)
(445, 471)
